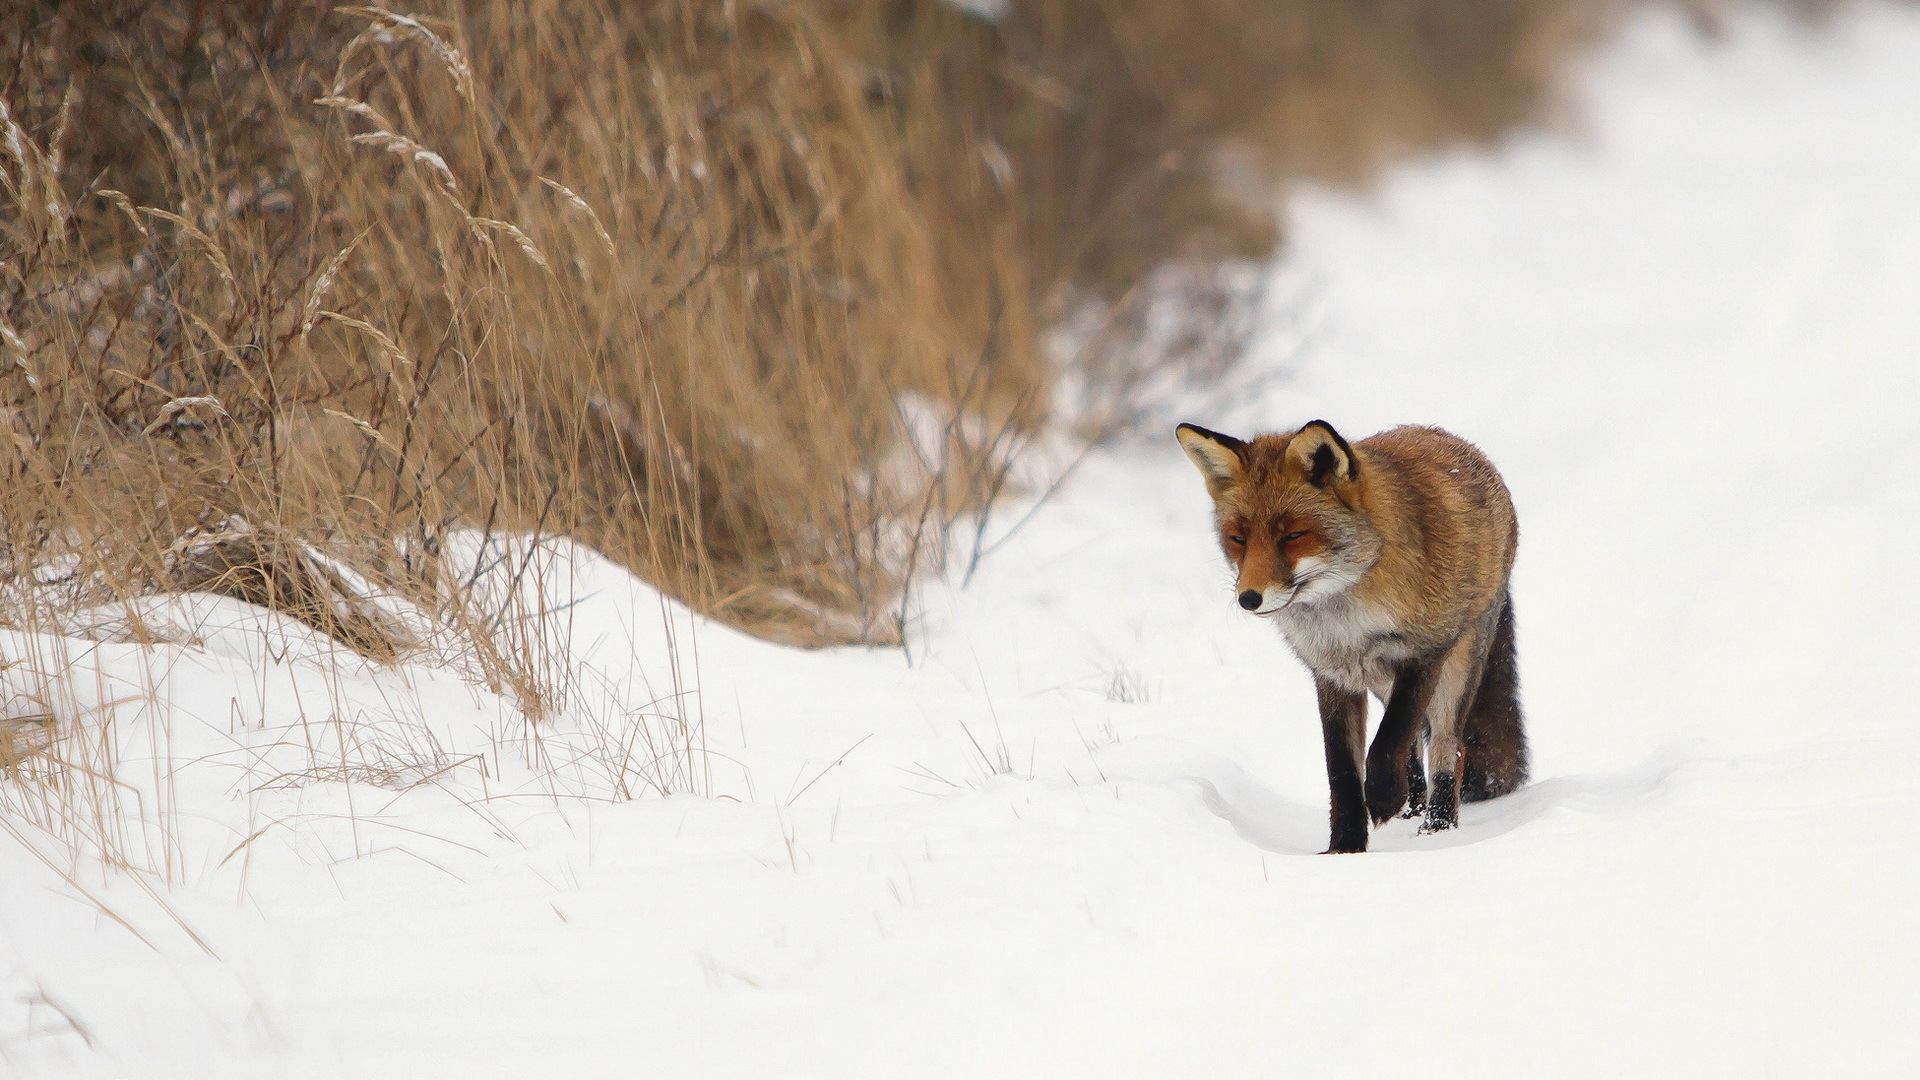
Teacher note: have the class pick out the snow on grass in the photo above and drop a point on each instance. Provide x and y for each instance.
(1070, 831)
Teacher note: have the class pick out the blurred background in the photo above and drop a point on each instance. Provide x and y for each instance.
(759, 298)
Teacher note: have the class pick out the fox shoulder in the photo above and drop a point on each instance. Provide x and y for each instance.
(1429, 472)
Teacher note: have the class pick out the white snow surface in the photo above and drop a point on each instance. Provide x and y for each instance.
(1073, 831)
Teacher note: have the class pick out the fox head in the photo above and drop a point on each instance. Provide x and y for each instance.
(1290, 513)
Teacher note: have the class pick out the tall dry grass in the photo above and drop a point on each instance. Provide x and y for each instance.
(349, 311)
(679, 279)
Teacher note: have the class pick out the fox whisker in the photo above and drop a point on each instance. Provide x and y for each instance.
(1298, 585)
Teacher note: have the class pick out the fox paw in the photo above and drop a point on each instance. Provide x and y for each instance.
(1385, 800)
(1439, 820)
(1443, 806)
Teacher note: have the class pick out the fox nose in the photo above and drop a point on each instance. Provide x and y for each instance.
(1250, 599)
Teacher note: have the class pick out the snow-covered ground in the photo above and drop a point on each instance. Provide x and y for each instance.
(1070, 833)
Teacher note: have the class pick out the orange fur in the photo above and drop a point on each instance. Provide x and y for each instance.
(1386, 565)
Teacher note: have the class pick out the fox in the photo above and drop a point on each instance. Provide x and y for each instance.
(1386, 564)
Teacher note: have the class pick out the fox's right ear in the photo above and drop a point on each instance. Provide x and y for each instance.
(1217, 456)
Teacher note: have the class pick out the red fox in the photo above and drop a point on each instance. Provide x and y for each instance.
(1385, 564)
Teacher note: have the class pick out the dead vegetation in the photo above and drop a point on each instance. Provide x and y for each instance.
(24, 737)
(750, 296)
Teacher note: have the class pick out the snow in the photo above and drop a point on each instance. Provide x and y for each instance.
(1071, 830)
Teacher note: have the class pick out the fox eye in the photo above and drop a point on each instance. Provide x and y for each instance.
(1292, 536)
(1238, 540)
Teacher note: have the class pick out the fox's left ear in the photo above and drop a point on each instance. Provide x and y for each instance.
(1217, 456)
(1322, 454)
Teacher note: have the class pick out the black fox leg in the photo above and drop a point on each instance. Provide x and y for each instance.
(1443, 804)
(1343, 725)
(1416, 781)
(1387, 770)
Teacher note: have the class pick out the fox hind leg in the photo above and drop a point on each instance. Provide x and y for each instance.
(1494, 728)
(1459, 678)
(1416, 780)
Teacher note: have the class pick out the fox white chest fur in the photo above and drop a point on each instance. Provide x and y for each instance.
(1343, 640)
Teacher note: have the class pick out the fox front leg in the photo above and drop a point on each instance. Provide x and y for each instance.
(1343, 726)
(1396, 741)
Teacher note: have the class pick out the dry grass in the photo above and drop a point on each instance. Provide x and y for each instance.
(623, 279)
(343, 312)
(658, 276)
(93, 793)
(23, 738)
(346, 312)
